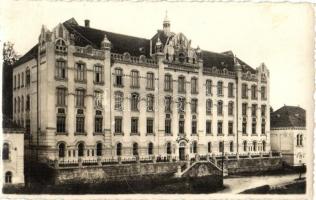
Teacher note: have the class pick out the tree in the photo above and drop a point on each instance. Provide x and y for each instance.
(9, 58)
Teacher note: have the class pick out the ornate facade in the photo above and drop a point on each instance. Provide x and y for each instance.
(83, 92)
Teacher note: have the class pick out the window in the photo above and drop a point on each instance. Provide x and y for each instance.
(19, 103)
(301, 140)
(209, 105)
(98, 121)
(60, 45)
(98, 74)
(253, 92)
(150, 81)
(194, 104)
(14, 83)
(230, 89)
(181, 104)
(263, 126)
(263, 93)
(208, 87)
(134, 125)
(61, 69)
(244, 109)
(61, 96)
(27, 108)
(244, 126)
(119, 149)
(219, 127)
(194, 126)
(254, 145)
(208, 127)
(15, 105)
(22, 104)
(168, 126)
(61, 123)
(150, 102)
(168, 101)
(221, 146)
(150, 148)
(79, 123)
(22, 81)
(219, 88)
(231, 108)
(118, 100)
(5, 151)
(263, 110)
(80, 149)
(168, 148)
(99, 149)
(220, 108)
(168, 82)
(98, 98)
(181, 84)
(134, 102)
(244, 91)
(8, 177)
(181, 126)
(80, 71)
(194, 85)
(61, 150)
(19, 81)
(209, 147)
(230, 128)
(253, 126)
(263, 145)
(231, 146)
(118, 125)
(245, 145)
(194, 147)
(80, 94)
(150, 125)
(134, 79)
(118, 80)
(28, 77)
(135, 149)
(254, 110)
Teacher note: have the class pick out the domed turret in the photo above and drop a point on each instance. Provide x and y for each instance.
(166, 25)
(105, 44)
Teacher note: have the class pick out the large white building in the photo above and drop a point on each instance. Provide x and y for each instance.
(83, 92)
(288, 134)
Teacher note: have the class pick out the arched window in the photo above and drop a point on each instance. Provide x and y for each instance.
(8, 177)
(219, 88)
(5, 151)
(221, 146)
(220, 108)
(61, 150)
(231, 146)
(298, 140)
(254, 144)
(99, 149)
(263, 145)
(194, 147)
(80, 149)
(208, 87)
(134, 101)
(209, 147)
(135, 149)
(209, 105)
(168, 148)
(301, 140)
(28, 77)
(60, 45)
(118, 81)
(245, 145)
(119, 149)
(231, 108)
(150, 148)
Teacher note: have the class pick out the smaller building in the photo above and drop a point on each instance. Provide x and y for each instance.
(288, 133)
(12, 154)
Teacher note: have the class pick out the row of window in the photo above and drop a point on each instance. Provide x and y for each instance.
(61, 93)
(18, 80)
(19, 104)
(254, 108)
(299, 140)
(254, 92)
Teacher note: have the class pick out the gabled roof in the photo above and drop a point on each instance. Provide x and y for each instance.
(288, 116)
(32, 53)
(120, 43)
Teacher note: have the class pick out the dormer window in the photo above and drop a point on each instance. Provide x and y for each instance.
(60, 46)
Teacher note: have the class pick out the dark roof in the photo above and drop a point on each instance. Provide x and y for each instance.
(28, 56)
(288, 116)
(223, 60)
(162, 36)
(84, 36)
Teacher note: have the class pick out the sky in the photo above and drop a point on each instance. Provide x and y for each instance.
(278, 34)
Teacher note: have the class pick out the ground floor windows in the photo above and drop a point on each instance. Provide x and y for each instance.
(8, 177)
(61, 150)
(150, 148)
(99, 149)
(80, 149)
(119, 149)
(5, 151)
(168, 148)
(231, 146)
(135, 149)
(209, 147)
(245, 145)
(221, 147)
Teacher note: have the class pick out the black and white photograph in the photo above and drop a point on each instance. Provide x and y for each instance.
(139, 99)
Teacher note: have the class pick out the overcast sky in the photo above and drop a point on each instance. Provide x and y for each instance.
(280, 35)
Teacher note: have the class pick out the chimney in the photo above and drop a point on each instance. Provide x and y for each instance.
(87, 23)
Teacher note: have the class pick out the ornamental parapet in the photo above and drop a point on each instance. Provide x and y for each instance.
(126, 58)
(219, 72)
(89, 52)
(182, 66)
(249, 77)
